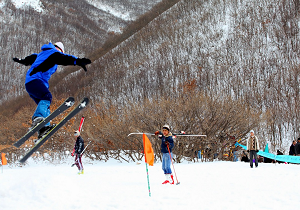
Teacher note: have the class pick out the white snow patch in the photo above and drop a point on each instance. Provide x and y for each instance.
(2, 3)
(125, 15)
(114, 185)
(35, 4)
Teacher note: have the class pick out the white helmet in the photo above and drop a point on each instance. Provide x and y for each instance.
(60, 46)
(166, 127)
(77, 133)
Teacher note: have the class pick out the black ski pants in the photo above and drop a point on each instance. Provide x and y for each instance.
(253, 155)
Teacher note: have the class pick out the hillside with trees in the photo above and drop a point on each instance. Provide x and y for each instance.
(219, 68)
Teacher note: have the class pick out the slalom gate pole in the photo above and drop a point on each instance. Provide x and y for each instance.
(173, 165)
(81, 123)
(148, 179)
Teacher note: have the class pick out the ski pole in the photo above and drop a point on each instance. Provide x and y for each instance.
(85, 148)
(173, 165)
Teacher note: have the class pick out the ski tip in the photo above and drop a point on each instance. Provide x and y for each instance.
(84, 103)
(86, 99)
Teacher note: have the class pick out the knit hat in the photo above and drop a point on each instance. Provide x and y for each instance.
(60, 46)
(77, 133)
(252, 131)
(166, 127)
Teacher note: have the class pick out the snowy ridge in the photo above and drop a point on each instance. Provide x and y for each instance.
(35, 4)
(125, 15)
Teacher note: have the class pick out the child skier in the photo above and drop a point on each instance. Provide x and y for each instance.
(166, 145)
(43, 65)
(78, 148)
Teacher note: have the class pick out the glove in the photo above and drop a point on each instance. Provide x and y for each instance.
(257, 150)
(72, 154)
(156, 133)
(247, 150)
(83, 62)
(167, 143)
(16, 60)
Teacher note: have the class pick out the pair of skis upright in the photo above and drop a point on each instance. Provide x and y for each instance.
(67, 104)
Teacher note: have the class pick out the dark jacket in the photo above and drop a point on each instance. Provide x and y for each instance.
(79, 145)
(292, 150)
(297, 148)
(45, 63)
(164, 139)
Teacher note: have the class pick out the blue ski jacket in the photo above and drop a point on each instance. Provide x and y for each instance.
(164, 139)
(45, 63)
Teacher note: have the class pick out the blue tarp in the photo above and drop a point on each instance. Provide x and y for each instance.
(283, 158)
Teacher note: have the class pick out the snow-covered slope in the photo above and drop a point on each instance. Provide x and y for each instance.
(113, 185)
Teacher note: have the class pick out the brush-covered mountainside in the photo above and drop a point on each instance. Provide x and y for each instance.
(219, 68)
(83, 27)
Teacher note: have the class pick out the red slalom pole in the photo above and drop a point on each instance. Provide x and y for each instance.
(173, 165)
(81, 123)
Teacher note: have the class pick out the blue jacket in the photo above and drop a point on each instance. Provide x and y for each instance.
(164, 139)
(46, 63)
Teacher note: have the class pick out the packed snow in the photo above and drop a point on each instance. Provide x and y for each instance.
(115, 185)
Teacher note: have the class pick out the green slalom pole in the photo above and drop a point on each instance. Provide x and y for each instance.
(148, 179)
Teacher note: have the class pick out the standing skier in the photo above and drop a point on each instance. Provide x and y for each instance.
(167, 144)
(43, 65)
(253, 147)
(78, 148)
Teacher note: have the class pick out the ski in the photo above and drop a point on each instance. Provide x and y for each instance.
(64, 106)
(41, 141)
(151, 134)
(173, 134)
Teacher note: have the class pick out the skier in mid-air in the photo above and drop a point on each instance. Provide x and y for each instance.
(167, 145)
(43, 65)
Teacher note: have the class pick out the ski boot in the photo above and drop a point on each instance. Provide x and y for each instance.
(81, 172)
(167, 179)
(171, 179)
(44, 130)
(36, 121)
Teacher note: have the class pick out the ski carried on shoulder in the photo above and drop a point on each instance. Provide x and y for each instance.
(64, 106)
(42, 140)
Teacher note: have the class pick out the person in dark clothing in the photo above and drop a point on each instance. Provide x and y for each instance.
(167, 145)
(78, 148)
(253, 148)
(292, 148)
(297, 148)
(244, 157)
(279, 153)
(43, 65)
